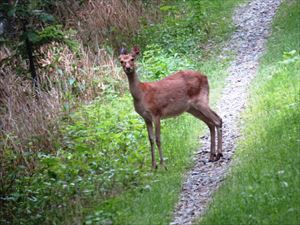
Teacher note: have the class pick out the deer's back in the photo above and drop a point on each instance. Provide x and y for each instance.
(172, 95)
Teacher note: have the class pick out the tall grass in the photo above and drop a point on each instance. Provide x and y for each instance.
(65, 80)
(111, 22)
(29, 124)
(264, 184)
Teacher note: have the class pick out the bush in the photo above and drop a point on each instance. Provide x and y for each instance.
(187, 26)
(157, 64)
(104, 153)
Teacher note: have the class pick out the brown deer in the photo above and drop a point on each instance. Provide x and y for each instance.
(182, 91)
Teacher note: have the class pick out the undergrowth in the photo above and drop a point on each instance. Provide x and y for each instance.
(264, 184)
(191, 27)
(98, 169)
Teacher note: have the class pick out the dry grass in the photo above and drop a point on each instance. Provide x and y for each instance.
(27, 122)
(84, 75)
(108, 21)
(30, 124)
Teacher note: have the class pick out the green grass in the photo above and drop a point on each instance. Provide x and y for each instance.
(154, 200)
(263, 186)
(189, 25)
(152, 203)
(101, 172)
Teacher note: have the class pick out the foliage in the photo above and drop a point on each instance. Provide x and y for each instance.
(105, 152)
(29, 125)
(111, 23)
(99, 170)
(34, 21)
(153, 201)
(263, 187)
(188, 25)
(157, 64)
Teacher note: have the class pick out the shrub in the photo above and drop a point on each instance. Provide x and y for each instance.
(104, 153)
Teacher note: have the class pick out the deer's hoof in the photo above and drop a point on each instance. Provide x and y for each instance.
(219, 155)
(154, 167)
(212, 158)
(163, 166)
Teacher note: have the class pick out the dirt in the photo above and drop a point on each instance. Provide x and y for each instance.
(253, 26)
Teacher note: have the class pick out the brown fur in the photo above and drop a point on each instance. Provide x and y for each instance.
(182, 91)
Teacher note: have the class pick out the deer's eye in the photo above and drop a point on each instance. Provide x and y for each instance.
(132, 60)
(121, 61)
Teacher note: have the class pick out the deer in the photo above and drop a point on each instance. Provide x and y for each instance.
(182, 91)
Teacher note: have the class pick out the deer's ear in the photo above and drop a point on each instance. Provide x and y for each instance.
(123, 51)
(135, 51)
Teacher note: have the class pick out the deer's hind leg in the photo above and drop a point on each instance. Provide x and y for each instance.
(219, 125)
(220, 154)
(213, 121)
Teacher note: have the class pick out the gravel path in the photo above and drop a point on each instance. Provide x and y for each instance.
(253, 22)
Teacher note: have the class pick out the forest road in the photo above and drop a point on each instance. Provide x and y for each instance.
(253, 26)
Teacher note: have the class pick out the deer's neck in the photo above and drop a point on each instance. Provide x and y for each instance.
(134, 86)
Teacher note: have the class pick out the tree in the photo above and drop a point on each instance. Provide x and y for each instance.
(25, 25)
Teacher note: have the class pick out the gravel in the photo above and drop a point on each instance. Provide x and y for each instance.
(253, 22)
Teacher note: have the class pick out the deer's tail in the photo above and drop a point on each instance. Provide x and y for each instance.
(205, 88)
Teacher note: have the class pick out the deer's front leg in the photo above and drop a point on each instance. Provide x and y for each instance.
(151, 140)
(158, 143)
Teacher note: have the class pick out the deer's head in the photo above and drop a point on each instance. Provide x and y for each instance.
(127, 59)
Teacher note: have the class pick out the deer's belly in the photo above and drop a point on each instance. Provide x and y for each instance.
(172, 110)
(168, 109)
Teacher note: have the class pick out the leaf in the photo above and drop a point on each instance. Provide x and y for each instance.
(89, 222)
(72, 81)
(289, 54)
(167, 8)
(32, 36)
(60, 72)
(12, 12)
(284, 184)
(52, 174)
(47, 18)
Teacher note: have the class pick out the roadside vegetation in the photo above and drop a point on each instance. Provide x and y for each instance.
(263, 186)
(73, 151)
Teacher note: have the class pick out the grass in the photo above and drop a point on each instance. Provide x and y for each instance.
(263, 186)
(190, 26)
(100, 172)
(103, 172)
(153, 201)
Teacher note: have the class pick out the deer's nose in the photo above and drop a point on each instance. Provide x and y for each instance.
(127, 67)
